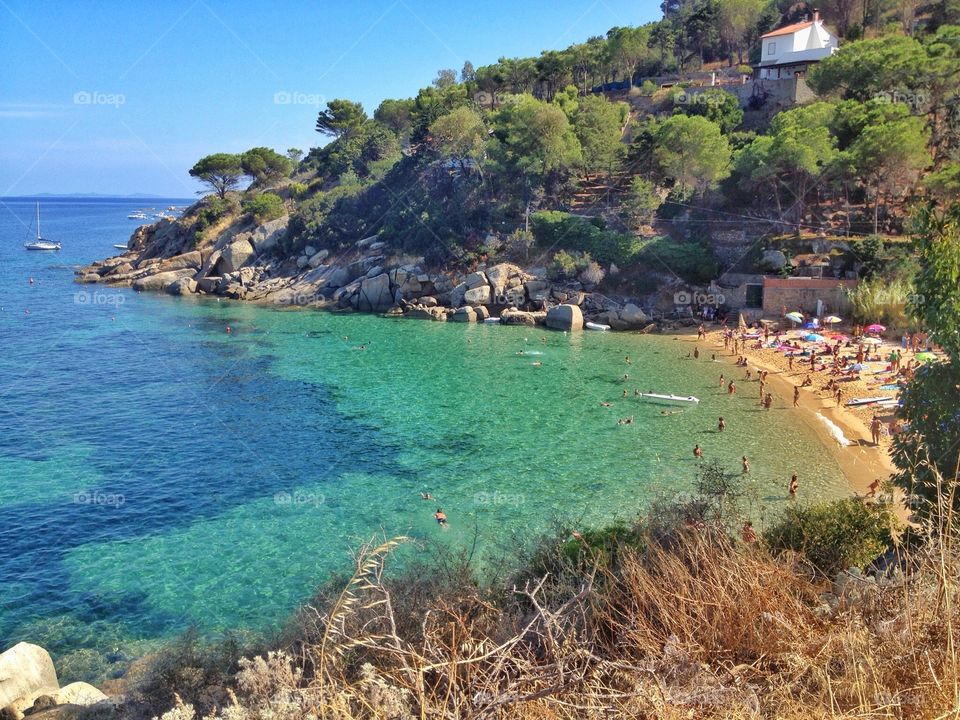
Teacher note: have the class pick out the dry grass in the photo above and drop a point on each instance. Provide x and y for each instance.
(632, 622)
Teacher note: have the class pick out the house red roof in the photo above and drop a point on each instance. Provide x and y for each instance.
(789, 29)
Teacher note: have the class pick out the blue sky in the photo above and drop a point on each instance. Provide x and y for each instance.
(122, 97)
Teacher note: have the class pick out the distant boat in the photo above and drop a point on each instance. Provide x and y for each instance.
(121, 247)
(40, 243)
(597, 326)
(138, 215)
(663, 399)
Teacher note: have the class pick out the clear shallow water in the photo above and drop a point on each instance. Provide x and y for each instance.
(157, 472)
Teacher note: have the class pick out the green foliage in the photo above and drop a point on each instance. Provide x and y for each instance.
(880, 300)
(598, 125)
(221, 171)
(944, 184)
(518, 243)
(565, 266)
(928, 455)
(834, 536)
(553, 229)
(648, 88)
(460, 135)
(642, 202)
(263, 164)
(396, 115)
(715, 104)
(265, 207)
(340, 118)
(690, 261)
(214, 209)
(298, 191)
(869, 252)
(692, 152)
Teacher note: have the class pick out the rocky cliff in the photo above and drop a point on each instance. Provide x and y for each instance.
(240, 259)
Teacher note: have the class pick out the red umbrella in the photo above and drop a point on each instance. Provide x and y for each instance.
(876, 328)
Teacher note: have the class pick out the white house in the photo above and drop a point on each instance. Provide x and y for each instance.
(788, 51)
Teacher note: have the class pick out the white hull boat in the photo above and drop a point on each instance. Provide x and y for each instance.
(597, 326)
(41, 243)
(663, 399)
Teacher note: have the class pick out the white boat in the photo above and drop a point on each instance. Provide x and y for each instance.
(138, 215)
(120, 247)
(869, 400)
(40, 243)
(597, 326)
(663, 399)
(492, 321)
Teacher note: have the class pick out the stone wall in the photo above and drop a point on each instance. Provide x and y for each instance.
(796, 293)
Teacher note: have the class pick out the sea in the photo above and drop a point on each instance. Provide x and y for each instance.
(161, 473)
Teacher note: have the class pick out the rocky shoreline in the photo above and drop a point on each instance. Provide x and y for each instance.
(29, 687)
(245, 261)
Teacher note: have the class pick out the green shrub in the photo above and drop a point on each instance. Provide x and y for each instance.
(836, 535)
(560, 230)
(265, 207)
(692, 261)
(648, 88)
(298, 190)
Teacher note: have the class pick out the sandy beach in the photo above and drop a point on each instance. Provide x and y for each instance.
(861, 461)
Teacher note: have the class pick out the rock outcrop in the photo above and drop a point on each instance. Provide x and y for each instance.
(565, 317)
(29, 685)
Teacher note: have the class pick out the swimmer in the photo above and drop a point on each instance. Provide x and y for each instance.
(794, 485)
(606, 404)
(732, 388)
(426, 496)
(624, 393)
(627, 359)
(440, 517)
(722, 380)
(746, 465)
(721, 424)
(537, 364)
(697, 451)
(670, 412)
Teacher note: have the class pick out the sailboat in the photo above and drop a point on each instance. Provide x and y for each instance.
(40, 243)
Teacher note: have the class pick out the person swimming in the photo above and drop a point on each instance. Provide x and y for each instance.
(440, 517)
(426, 496)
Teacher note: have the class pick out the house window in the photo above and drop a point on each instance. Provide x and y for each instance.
(771, 48)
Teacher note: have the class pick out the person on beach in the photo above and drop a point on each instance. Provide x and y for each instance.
(696, 353)
(875, 427)
(440, 517)
(793, 486)
(721, 424)
(732, 388)
(747, 533)
(796, 396)
(768, 401)
(701, 332)
(839, 395)
(697, 451)
(746, 465)
(873, 488)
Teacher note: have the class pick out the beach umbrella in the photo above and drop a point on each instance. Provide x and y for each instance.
(926, 356)
(832, 319)
(795, 316)
(813, 337)
(871, 341)
(876, 328)
(838, 336)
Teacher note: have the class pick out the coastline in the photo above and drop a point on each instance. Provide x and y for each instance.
(861, 462)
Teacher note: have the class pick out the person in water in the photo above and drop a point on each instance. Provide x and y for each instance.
(697, 451)
(746, 465)
(794, 485)
(426, 496)
(721, 424)
(441, 517)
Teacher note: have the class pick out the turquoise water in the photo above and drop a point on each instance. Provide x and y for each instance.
(157, 472)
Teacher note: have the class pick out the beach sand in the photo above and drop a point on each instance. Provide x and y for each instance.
(861, 461)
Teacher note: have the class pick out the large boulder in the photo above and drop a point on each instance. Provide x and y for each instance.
(517, 317)
(475, 280)
(456, 295)
(536, 289)
(633, 315)
(464, 315)
(375, 295)
(419, 312)
(773, 260)
(79, 693)
(160, 281)
(477, 296)
(499, 275)
(338, 276)
(565, 317)
(183, 286)
(234, 256)
(26, 672)
(265, 237)
(179, 262)
(317, 258)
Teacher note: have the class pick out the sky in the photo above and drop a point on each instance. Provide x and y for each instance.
(118, 97)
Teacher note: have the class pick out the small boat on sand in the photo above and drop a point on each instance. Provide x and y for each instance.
(663, 399)
(868, 400)
(597, 326)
